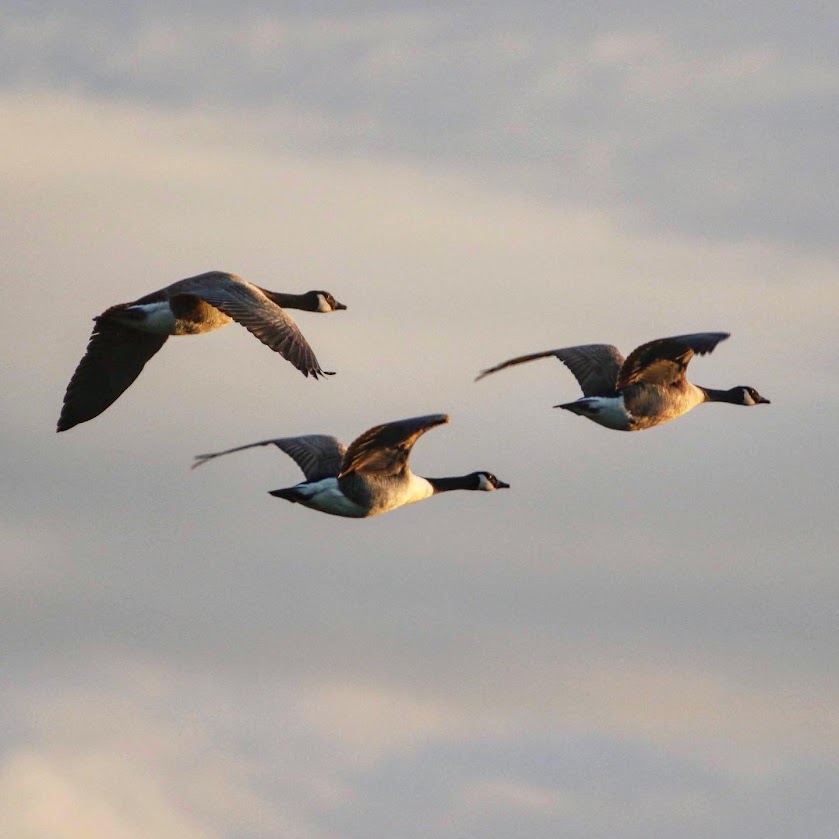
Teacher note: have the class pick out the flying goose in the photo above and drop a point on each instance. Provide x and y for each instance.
(641, 391)
(370, 477)
(127, 335)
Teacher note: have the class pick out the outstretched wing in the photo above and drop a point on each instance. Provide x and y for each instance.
(247, 305)
(114, 358)
(511, 362)
(665, 360)
(318, 455)
(595, 366)
(384, 449)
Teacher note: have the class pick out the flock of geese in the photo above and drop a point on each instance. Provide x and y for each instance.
(372, 475)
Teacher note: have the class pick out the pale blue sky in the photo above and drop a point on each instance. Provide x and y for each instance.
(638, 639)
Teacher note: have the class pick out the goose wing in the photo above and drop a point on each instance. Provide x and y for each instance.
(250, 307)
(384, 449)
(665, 360)
(114, 358)
(318, 455)
(595, 366)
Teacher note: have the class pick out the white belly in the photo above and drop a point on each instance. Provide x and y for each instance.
(159, 319)
(608, 411)
(612, 412)
(325, 496)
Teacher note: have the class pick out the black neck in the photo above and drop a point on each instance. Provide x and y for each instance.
(306, 301)
(447, 484)
(712, 395)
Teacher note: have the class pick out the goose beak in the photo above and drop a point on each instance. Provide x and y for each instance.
(339, 306)
(763, 401)
(502, 485)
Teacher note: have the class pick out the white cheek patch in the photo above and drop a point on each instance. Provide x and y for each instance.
(485, 484)
(323, 304)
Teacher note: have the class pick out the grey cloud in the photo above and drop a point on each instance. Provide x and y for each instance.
(667, 794)
(735, 146)
(658, 605)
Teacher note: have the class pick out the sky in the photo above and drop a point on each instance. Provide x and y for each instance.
(638, 639)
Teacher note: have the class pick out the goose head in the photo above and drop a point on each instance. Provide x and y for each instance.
(746, 395)
(486, 482)
(323, 301)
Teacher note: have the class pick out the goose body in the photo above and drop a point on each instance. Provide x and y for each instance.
(370, 477)
(359, 498)
(127, 335)
(647, 388)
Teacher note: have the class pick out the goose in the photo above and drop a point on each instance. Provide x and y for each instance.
(127, 335)
(370, 477)
(644, 390)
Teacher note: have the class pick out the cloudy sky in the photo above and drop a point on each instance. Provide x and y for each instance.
(638, 639)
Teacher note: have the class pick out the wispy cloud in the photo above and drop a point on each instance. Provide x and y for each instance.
(638, 639)
(663, 127)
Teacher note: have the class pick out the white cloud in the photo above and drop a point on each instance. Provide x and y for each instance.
(484, 797)
(661, 602)
(626, 47)
(538, 104)
(374, 722)
(87, 796)
(125, 753)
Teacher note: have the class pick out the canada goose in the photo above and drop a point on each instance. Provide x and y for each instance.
(641, 391)
(370, 477)
(127, 335)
